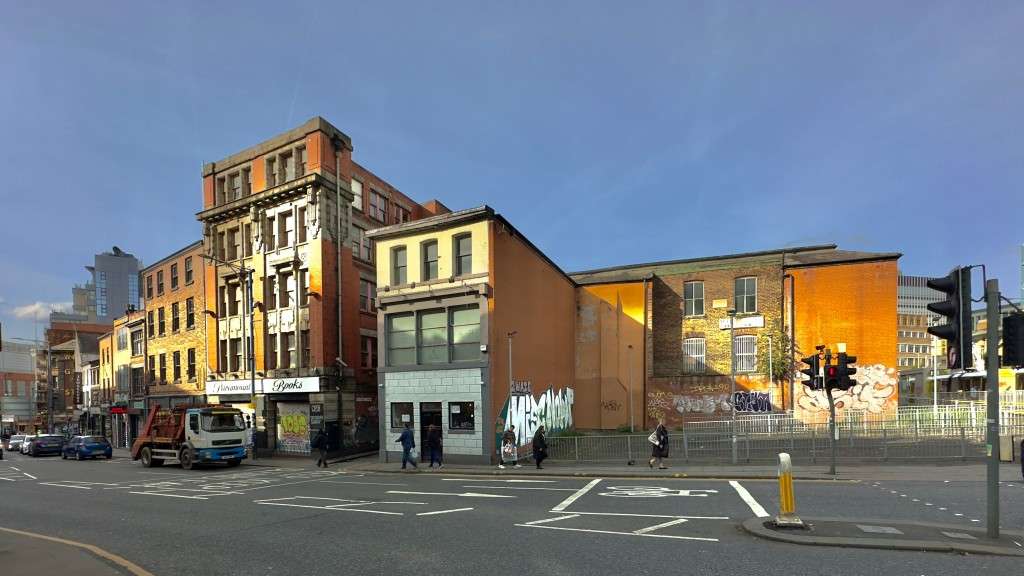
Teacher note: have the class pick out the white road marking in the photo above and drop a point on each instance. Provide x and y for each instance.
(510, 481)
(915, 500)
(463, 494)
(29, 475)
(620, 533)
(555, 519)
(927, 503)
(576, 495)
(521, 488)
(336, 509)
(745, 495)
(367, 483)
(171, 495)
(658, 526)
(957, 514)
(65, 485)
(651, 515)
(8, 479)
(443, 511)
(13, 468)
(943, 509)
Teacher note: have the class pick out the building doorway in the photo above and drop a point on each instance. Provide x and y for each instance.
(430, 413)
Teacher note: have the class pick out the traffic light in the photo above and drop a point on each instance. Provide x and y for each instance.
(957, 310)
(846, 370)
(1013, 340)
(814, 367)
(831, 377)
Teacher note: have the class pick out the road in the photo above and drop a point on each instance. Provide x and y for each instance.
(287, 520)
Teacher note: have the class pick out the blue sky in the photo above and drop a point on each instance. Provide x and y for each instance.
(608, 132)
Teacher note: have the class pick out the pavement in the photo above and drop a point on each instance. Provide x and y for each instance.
(30, 555)
(284, 516)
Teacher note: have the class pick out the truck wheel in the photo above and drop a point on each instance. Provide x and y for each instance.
(147, 457)
(186, 458)
(234, 462)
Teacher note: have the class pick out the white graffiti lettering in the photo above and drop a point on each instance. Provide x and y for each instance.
(553, 409)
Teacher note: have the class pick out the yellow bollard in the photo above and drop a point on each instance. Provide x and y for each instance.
(787, 503)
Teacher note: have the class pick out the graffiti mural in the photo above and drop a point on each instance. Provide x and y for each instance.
(292, 427)
(553, 409)
(875, 392)
(753, 401)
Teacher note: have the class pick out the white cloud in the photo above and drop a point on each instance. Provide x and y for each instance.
(39, 310)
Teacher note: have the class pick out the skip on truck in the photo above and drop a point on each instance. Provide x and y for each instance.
(191, 435)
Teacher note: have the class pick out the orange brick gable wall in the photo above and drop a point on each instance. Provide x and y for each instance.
(854, 304)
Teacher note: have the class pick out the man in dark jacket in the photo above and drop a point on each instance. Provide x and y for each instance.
(434, 444)
(320, 444)
(540, 446)
(408, 443)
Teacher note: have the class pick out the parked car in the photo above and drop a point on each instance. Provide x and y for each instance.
(46, 444)
(14, 444)
(82, 447)
(26, 443)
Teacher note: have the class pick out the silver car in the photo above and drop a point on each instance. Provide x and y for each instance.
(14, 444)
(26, 444)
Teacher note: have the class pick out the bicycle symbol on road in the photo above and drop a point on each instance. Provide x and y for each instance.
(653, 492)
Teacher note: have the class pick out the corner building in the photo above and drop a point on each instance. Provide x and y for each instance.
(284, 209)
(478, 328)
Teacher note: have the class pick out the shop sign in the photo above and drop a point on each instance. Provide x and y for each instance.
(744, 322)
(263, 386)
(316, 415)
(285, 385)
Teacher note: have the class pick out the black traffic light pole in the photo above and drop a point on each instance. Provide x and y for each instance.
(992, 382)
(831, 412)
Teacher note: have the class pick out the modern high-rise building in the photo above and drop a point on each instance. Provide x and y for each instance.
(112, 288)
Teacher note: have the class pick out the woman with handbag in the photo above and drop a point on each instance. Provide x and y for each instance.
(659, 450)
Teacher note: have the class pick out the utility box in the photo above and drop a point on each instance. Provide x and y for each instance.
(1005, 448)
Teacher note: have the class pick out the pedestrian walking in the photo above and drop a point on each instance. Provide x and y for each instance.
(320, 445)
(540, 446)
(408, 443)
(434, 441)
(509, 453)
(659, 450)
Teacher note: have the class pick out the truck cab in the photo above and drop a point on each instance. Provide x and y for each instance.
(192, 435)
(215, 435)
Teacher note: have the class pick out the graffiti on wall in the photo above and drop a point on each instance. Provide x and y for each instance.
(553, 409)
(875, 392)
(753, 401)
(292, 427)
(611, 405)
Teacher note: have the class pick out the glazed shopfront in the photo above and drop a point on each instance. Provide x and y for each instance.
(289, 411)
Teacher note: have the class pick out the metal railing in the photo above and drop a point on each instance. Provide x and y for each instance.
(909, 434)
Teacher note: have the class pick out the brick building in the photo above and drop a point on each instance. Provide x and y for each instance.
(678, 314)
(284, 209)
(17, 388)
(175, 336)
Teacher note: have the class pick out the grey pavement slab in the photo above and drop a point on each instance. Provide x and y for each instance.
(886, 534)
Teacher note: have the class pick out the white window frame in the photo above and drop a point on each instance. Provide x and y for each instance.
(694, 355)
(745, 353)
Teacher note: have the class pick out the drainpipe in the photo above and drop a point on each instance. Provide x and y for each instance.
(337, 143)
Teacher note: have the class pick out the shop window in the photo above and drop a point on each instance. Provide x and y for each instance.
(461, 416)
(401, 414)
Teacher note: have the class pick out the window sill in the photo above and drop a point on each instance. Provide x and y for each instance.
(462, 431)
(695, 317)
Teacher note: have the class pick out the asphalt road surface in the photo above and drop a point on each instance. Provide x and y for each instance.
(262, 520)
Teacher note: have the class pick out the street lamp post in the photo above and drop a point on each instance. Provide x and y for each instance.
(732, 378)
(245, 276)
(510, 335)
